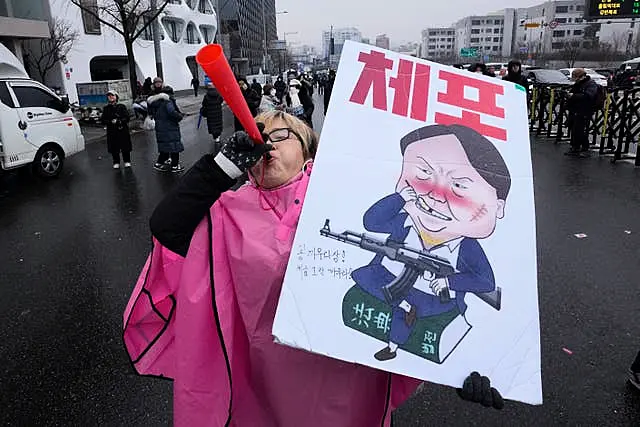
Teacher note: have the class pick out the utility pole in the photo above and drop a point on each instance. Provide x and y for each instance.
(155, 29)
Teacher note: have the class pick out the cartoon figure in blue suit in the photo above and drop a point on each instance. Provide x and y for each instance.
(451, 192)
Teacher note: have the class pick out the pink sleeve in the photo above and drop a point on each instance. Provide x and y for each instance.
(150, 313)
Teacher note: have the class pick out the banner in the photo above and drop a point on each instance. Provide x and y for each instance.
(416, 248)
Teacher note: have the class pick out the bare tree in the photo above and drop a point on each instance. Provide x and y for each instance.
(571, 51)
(129, 18)
(44, 55)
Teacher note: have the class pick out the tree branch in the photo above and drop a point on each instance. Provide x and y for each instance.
(153, 17)
(95, 15)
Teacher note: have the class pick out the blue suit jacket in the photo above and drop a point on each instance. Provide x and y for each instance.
(386, 216)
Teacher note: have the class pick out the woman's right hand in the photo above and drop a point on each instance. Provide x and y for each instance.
(240, 153)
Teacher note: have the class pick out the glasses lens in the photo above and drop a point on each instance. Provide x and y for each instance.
(279, 135)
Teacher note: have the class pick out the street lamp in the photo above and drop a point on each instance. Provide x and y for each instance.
(264, 37)
(286, 60)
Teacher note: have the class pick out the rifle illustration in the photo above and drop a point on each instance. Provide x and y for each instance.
(415, 261)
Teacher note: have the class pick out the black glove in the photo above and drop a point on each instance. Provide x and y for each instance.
(478, 389)
(240, 153)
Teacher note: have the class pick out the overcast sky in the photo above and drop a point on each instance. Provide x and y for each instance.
(401, 20)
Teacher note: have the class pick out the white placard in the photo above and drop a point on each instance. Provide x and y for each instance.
(416, 247)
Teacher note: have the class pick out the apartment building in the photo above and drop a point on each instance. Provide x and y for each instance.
(438, 43)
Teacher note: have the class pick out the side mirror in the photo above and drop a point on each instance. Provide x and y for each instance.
(64, 104)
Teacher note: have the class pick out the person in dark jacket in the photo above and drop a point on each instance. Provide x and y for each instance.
(212, 111)
(146, 86)
(115, 117)
(256, 86)
(167, 116)
(281, 88)
(581, 105)
(251, 97)
(328, 88)
(195, 84)
(514, 74)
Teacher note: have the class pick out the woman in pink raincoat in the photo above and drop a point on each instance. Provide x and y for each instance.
(203, 308)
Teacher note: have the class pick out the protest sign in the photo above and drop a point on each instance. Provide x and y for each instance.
(415, 252)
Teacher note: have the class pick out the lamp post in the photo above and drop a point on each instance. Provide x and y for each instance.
(286, 61)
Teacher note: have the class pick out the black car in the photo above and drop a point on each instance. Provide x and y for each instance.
(547, 77)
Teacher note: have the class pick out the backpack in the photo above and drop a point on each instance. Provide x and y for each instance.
(601, 98)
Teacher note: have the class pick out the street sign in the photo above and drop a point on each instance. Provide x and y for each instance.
(468, 52)
(553, 25)
(532, 25)
(524, 49)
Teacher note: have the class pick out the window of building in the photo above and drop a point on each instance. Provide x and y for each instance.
(475, 31)
(497, 22)
(192, 36)
(431, 47)
(496, 39)
(558, 33)
(449, 46)
(147, 34)
(557, 45)
(578, 20)
(475, 22)
(208, 32)
(487, 39)
(569, 20)
(561, 20)
(205, 7)
(29, 97)
(173, 27)
(496, 31)
(5, 96)
(579, 8)
(562, 9)
(91, 23)
(175, 1)
(495, 48)
(474, 40)
(577, 32)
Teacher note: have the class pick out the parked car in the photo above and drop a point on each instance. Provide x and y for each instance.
(598, 78)
(37, 127)
(545, 76)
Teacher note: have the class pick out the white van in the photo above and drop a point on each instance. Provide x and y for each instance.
(36, 127)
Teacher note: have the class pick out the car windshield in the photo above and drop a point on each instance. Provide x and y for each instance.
(550, 76)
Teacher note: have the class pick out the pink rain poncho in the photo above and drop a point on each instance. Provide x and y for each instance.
(205, 321)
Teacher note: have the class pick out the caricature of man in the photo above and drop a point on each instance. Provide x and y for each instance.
(451, 192)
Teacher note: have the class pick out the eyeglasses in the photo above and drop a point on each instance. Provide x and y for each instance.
(282, 134)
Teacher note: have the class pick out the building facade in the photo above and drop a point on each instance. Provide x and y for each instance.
(382, 41)
(20, 21)
(549, 27)
(99, 52)
(438, 43)
(248, 24)
(340, 35)
(491, 35)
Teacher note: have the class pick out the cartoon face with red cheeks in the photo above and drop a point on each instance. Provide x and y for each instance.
(445, 195)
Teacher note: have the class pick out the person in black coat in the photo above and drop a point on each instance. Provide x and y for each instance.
(328, 88)
(281, 88)
(581, 106)
(252, 98)
(212, 111)
(115, 117)
(514, 74)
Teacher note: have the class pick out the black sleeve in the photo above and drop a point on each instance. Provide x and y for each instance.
(175, 219)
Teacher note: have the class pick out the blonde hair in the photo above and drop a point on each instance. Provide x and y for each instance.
(309, 137)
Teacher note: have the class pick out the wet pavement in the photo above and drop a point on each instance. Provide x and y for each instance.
(73, 247)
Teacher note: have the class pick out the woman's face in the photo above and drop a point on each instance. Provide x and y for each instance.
(287, 157)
